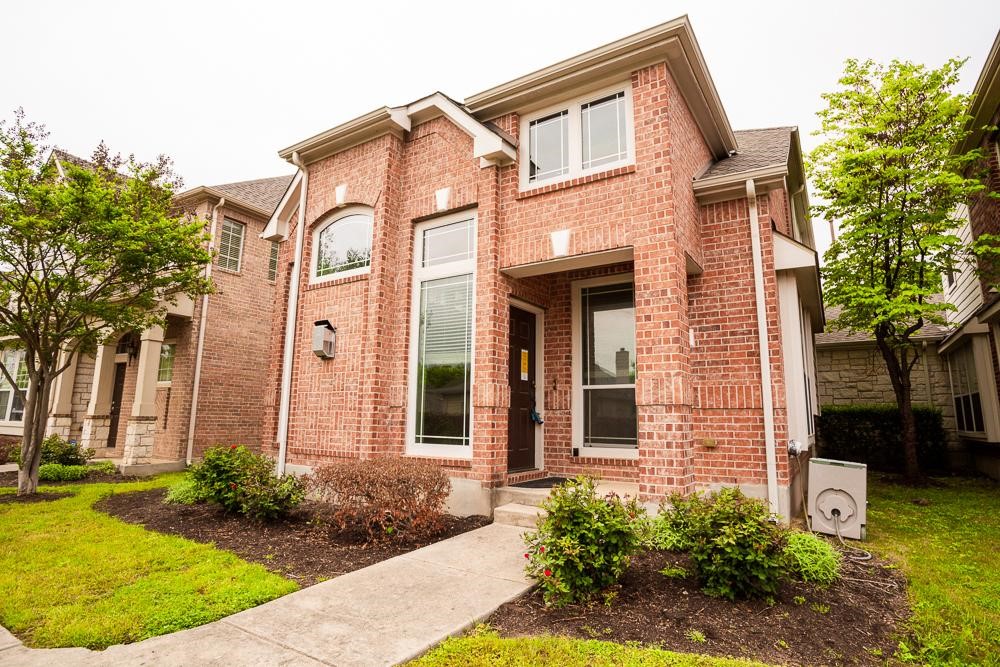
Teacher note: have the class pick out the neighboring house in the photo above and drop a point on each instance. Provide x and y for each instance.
(165, 394)
(971, 351)
(590, 245)
(851, 371)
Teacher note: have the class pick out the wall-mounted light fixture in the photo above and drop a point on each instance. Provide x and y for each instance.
(324, 339)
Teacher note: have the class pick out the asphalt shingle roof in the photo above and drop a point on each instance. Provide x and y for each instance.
(756, 149)
(929, 331)
(264, 193)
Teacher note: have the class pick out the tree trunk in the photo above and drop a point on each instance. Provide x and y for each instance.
(35, 417)
(899, 375)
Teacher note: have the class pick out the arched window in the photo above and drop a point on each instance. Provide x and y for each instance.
(342, 246)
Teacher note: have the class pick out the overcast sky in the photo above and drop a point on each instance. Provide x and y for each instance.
(222, 86)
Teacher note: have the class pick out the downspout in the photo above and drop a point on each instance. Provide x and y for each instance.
(290, 320)
(767, 398)
(202, 320)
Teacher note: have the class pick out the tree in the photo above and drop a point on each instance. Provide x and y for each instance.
(888, 173)
(83, 256)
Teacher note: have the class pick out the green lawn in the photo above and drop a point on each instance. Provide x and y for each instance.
(950, 552)
(486, 648)
(71, 576)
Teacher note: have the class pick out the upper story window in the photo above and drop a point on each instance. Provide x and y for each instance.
(231, 245)
(342, 246)
(586, 135)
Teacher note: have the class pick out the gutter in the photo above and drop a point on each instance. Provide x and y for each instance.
(767, 398)
(203, 319)
(290, 319)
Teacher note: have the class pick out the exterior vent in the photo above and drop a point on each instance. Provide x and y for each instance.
(838, 497)
(324, 339)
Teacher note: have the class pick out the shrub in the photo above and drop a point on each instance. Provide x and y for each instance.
(102, 467)
(10, 449)
(584, 543)
(736, 549)
(670, 529)
(56, 449)
(185, 492)
(244, 482)
(383, 497)
(812, 559)
(871, 434)
(57, 472)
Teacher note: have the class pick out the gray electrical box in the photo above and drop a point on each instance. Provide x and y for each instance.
(324, 339)
(838, 493)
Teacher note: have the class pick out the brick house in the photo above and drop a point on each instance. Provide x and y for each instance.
(590, 246)
(165, 394)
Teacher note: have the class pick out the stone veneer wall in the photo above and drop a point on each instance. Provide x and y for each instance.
(856, 375)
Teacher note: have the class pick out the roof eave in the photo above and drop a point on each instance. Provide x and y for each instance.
(672, 42)
(206, 192)
(386, 120)
(733, 186)
(985, 100)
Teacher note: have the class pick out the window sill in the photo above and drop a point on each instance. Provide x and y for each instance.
(609, 456)
(573, 182)
(343, 280)
(441, 460)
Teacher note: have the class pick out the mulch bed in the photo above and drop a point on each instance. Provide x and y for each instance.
(11, 499)
(297, 547)
(10, 479)
(851, 623)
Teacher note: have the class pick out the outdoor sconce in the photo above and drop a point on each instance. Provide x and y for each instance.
(324, 339)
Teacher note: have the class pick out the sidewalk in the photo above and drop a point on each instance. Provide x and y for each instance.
(384, 614)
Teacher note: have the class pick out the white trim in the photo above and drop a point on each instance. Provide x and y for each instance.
(573, 107)
(539, 314)
(329, 222)
(166, 383)
(421, 274)
(243, 240)
(576, 404)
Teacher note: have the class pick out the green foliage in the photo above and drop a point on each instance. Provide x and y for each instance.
(872, 434)
(948, 550)
(584, 543)
(735, 546)
(102, 467)
(670, 529)
(57, 472)
(487, 648)
(185, 492)
(244, 482)
(73, 576)
(812, 559)
(55, 449)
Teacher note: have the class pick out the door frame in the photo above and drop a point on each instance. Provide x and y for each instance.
(539, 314)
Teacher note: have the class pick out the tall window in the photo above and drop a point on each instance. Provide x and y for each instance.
(442, 326)
(11, 405)
(965, 390)
(231, 245)
(583, 136)
(342, 246)
(165, 373)
(272, 261)
(607, 337)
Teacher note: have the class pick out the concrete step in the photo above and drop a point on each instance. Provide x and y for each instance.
(513, 494)
(516, 514)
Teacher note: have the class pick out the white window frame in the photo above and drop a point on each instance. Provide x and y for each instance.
(577, 371)
(329, 222)
(5, 418)
(421, 274)
(575, 130)
(243, 242)
(167, 383)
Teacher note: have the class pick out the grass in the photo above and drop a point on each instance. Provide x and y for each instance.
(71, 576)
(487, 648)
(948, 551)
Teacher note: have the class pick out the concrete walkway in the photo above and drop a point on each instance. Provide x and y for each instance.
(381, 615)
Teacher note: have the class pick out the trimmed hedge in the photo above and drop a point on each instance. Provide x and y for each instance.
(871, 434)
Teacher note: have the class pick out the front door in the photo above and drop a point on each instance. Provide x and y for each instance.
(116, 402)
(521, 425)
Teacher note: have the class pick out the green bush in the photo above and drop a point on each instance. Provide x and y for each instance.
(244, 482)
(102, 467)
(735, 546)
(56, 449)
(584, 543)
(871, 434)
(671, 528)
(57, 472)
(812, 559)
(185, 492)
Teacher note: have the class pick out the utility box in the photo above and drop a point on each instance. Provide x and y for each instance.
(838, 495)
(324, 339)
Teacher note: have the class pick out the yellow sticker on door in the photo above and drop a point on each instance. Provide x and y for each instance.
(524, 365)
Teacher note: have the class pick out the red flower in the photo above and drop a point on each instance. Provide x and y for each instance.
(527, 556)
(541, 550)
(232, 447)
(232, 485)
(548, 572)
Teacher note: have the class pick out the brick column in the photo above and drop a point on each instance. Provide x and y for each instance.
(97, 423)
(141, 429)
(490, 389)
(60, 419)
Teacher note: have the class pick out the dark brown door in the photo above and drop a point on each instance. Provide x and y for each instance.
(116, 403)
(521, 426)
